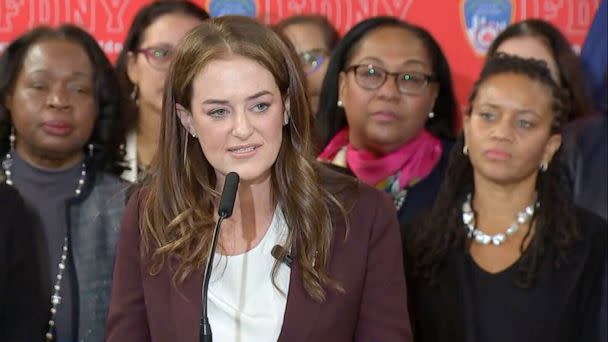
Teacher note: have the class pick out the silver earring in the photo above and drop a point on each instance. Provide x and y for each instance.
(193, 134)
(134, 94)
(465, 150)
(91, 150)
(11, 138)
(543, 167)
(431, 115)
(340, 103)
(285, 119)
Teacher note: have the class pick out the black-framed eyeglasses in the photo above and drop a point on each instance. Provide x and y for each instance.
(372, 77)
(312, 60)
(157, 56)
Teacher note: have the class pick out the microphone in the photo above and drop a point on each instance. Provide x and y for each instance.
(231, 185)
(281, 254)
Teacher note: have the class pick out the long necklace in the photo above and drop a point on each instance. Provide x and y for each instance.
(468, 218)
(55, 297)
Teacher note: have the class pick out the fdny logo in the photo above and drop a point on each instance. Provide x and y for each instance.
(484, 20)
(218, 8)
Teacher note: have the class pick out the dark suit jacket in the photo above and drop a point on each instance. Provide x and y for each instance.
(585, 162)
(368, 265)
(24, 303)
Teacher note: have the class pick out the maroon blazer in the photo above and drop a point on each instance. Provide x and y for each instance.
(368, 264)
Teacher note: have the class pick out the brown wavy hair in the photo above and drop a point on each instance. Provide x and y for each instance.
(177, 212)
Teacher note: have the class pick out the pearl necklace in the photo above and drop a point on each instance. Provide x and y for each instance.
(468, 218)
(55, 297)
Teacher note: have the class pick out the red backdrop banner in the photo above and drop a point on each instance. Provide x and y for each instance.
(464, 28)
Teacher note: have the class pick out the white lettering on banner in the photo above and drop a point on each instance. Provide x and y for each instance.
(279, 11)
(363, 11)
(551, 9)
(579, 17)
(333, 11)
(115, 11)
(578, 12)
(342, 13)
(9, 9)
(83, 14)
(110, 47)
(296, 6)
(56, 12)
(396, 8)
(44, 12)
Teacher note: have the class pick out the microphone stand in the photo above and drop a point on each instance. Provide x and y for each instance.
(205, 327)
(231, 184)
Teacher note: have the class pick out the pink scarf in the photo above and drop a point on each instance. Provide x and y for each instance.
(413, 161)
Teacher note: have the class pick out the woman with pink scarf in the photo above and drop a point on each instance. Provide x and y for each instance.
(387, 111)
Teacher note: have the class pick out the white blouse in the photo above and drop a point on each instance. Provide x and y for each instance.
(130, 175)
(244, 305)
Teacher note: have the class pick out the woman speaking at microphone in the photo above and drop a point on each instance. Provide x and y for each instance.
(235, 102)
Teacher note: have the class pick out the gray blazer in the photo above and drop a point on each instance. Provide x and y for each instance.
(93, 224)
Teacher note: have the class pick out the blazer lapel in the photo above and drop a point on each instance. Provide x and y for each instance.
(185, 307)
(301, 312)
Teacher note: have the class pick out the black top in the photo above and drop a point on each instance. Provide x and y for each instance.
(421, 196)
(23, 302)
(469, 304)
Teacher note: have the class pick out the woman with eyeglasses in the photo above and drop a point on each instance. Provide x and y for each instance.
(142, 68)
(387, 111)
(314, 38)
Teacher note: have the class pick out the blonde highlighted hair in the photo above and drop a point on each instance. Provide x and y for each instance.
(177, 213)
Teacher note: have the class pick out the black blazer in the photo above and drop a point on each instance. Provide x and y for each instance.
(24, 304)
(445, 312)
(585, 163)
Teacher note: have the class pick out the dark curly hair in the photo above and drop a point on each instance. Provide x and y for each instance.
(332, 118)
(143, 19)
(554, 221)
(107, 134)
(330, 34)
(568, 63)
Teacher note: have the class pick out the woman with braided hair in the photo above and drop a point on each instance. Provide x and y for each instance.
(503, 255)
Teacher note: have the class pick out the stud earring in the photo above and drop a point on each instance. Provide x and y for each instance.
(11, 138)
(340, 103)
(543, 167)
(465, 150)
(431, 115)
(285, 119)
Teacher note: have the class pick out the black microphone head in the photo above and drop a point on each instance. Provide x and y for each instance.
(231, 185)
